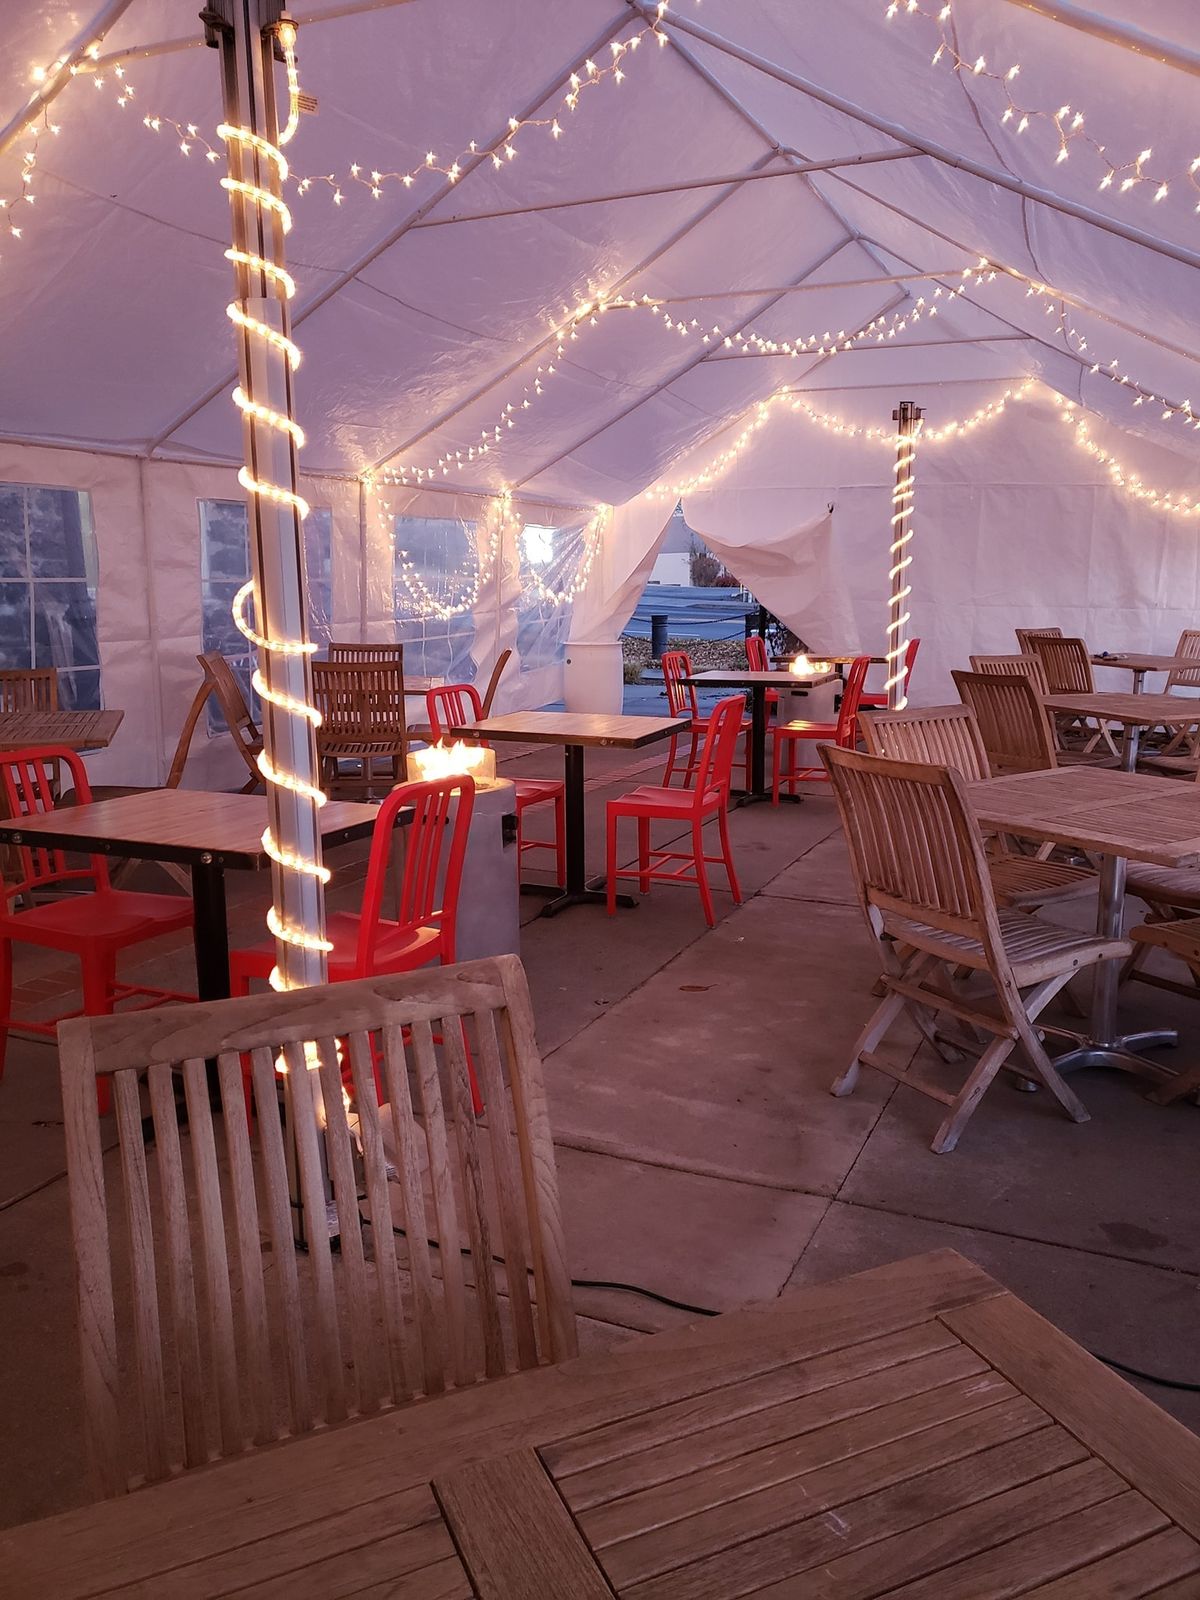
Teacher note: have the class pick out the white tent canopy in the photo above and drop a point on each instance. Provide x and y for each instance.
(747, 175)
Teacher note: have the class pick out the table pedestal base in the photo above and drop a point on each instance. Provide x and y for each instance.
(592, 894)
(749, 797)
(1121, 1053)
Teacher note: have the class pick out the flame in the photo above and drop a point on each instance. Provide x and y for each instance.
(450, 760)
(802, 667)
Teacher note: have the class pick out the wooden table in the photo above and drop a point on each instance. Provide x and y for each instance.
(1123, 816)
(758, 683)
(77, 730)
(576, 732)
(205, 832)
(1140, 665)
(914, 1430)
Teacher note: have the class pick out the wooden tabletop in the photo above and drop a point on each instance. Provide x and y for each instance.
(839, 659)
(78, 730)
(573, 727)
(1133, 662)
(179, 825)
(1113, 813)
(914, 1430)
(749, 680)
(1133, 710)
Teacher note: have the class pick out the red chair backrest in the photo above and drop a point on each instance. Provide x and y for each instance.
(28, 778)
(847, 722)
(435, 842)
(715, 770)
(910, 655)
(756, 653)
(681, 696)
(451, 706)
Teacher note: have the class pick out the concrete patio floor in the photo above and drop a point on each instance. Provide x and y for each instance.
(700, 1153)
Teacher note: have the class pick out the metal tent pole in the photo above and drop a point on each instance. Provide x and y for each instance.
(907, 418)
(273, 607)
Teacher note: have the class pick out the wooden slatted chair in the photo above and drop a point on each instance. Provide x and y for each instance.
(243, 729)
(29, 689)
(493, 683)
(362, 724)
(1179, 938)
(197, 1346)
(1067, 664)
(949, 736)
(351, 652)
(1025, 636)
(1179, 748)
(1028, 666)
(924, 888)
(1012, 720)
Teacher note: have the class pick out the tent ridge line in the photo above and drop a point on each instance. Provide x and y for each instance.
(393, 237)
(934, 151)
(528, 355)
(1123, 34)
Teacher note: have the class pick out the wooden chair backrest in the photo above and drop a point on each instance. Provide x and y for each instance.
(1066, 663)
(493, 683)
(232, 701)
(1029, 666)
(1026, 636)
(30, 781)
(681, 695)
(29, 689)
(1186, 677)
(1012, 721)
(353, 651)
(915, 848)
(945, 736)
(361, 705)
(191, 1350)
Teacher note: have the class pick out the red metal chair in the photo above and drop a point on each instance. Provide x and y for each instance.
(843, 733)
(682, 702)
(453, 705)
(709, 798)
(95, 925)
(757, 660)
(876, 701)
(367, 944)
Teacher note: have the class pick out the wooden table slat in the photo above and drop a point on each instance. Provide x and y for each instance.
(78, 730)
(1139, 1569)
(1132, 661)
(1133, 710)
(514, 1533)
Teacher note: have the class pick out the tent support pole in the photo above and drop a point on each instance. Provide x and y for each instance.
(57, 79)
(907, 418)
(938, 152)
(1120, 33)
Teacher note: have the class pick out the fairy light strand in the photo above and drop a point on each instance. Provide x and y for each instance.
(1067, 122)
(593, 538)
(900, 555)
(270, 207)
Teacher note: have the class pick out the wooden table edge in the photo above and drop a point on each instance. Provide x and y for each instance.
(668, 727)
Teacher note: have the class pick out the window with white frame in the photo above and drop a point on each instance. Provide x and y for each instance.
(436, 570)
(549, 561)
(48, 584)
(225, 567)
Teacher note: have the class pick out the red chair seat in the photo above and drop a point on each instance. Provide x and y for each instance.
(109, 916)
(397, 949)
(532, 790)
(800, 728)
(650, 801)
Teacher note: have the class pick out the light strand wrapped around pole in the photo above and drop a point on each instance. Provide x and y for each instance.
(271, 609)
(907, 418)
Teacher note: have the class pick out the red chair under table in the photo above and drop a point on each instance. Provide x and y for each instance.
(874, 701)
(709, 799)
(843, 732)
(367, 944)
(95, 925)
(454, 705)
(682, 702)
(757, 660)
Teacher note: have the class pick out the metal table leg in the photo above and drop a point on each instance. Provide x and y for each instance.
(1104, 1045)
(210, 928)
(759, 789)
(578, 891)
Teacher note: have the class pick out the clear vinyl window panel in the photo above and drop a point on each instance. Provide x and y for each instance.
(437, 571)
(49, 576)
(225, 567)
(551, 559)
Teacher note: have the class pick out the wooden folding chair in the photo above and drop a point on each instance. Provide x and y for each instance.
(1014, 666)
(362, 723)
(1067, 664)
(29, 689)
(195, 1345)
(924, 888)
(1013, 723)
(949, 736)
(247, 738)
(493, 683)
(1025, 636)
(353, 651)
(1180, 939)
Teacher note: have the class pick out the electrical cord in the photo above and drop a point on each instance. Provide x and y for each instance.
(707, 1311)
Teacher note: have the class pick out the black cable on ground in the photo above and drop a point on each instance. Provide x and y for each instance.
(707, 1311)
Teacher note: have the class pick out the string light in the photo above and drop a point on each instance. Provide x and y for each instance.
(901, 558)
(593, 535)
(496, 517)
(269, 206)
(1068, 122)
(1169, 500)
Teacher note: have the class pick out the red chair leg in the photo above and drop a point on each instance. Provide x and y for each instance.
(670, 761)
(644, 854)
(5, 997)
(99, 973)
(610, 878)
(776, 765)
(749, 737)
(693, 753)
(560, 838)
(702, 873)
(734, 887)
